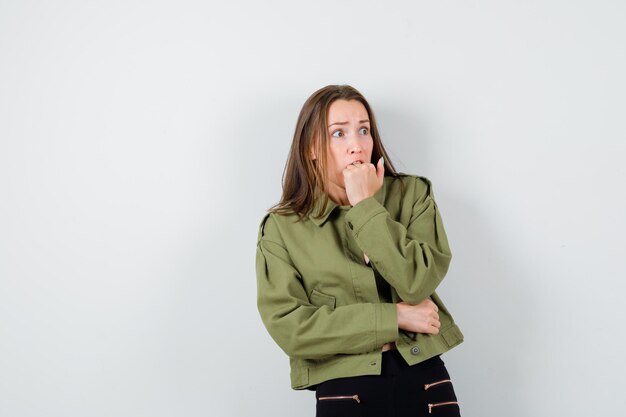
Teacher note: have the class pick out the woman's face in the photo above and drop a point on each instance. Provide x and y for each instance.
(349, 138)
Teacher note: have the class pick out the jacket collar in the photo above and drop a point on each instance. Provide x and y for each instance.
(331, 205)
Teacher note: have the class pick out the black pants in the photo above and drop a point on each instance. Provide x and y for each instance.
(424, 389)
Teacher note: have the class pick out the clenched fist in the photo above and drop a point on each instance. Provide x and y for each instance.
(363, 180)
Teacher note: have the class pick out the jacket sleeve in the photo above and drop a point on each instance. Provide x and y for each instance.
(307, 331)
(412, 259)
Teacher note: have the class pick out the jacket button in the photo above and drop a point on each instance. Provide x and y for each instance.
(350, 226)
(415, 350)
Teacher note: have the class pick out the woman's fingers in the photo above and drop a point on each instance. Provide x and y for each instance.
(433, 327)
(380, 169)
(420, 318)
(361, 182)
(430, 303)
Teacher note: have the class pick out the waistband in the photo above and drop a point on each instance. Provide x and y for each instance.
(393, 363)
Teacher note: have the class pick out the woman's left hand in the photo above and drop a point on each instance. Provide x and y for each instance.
(363, 180)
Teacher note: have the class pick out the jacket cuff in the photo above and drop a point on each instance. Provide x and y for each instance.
(386, 323)
(363, 212)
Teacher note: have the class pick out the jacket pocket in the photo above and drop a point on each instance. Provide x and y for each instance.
(319, 299)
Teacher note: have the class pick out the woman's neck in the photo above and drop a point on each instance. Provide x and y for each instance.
(338, 194)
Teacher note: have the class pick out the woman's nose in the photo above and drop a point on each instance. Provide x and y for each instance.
(354, 146)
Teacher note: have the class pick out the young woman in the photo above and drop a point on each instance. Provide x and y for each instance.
(347, 266)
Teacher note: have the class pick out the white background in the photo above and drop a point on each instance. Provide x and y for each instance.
(141, 142)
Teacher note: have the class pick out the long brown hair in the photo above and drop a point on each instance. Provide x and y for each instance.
(305, 180)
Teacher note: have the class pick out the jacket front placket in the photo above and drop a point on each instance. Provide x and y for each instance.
(361, 274)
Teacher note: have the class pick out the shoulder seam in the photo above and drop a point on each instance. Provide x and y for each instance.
(262, 224)
(264, 239)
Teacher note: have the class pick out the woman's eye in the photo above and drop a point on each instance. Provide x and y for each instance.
(337, 134)
(363, 130)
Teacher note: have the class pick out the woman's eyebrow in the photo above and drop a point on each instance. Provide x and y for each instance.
(344, 123)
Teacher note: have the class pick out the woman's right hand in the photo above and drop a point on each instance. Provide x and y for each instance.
(419, 318)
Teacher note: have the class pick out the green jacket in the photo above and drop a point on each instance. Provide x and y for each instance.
(318, 298)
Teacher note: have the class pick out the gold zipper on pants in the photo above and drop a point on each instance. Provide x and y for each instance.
(430, 406)
(342, 397)
(426, 386)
